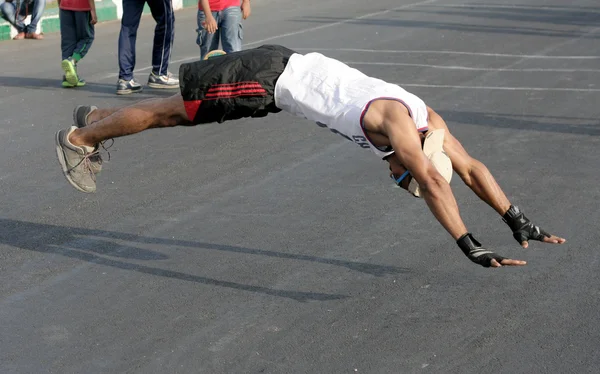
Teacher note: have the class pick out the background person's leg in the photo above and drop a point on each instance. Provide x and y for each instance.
(231, 30)
(85, 34)
(68, 41)
(164, 34)
(132, 11)
(36, 9)
(9, 13)
(68, 34)
(207, 42)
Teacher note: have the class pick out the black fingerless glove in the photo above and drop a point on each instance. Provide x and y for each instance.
(522, 228)
(473, 250)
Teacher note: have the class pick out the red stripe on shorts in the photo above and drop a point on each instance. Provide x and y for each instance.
(230, 90)
(232, 94)
(236, 88)
(191, 108)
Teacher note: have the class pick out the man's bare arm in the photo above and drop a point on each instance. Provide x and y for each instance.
(210, 24)
(437, 193)
(434, 188)
(481, 181)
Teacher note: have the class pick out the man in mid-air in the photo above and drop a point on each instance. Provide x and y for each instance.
(393, 123)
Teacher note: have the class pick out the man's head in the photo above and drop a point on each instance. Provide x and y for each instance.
(433, 148)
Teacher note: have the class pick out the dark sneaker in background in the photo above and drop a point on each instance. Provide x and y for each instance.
(128, 87)
(163, 81)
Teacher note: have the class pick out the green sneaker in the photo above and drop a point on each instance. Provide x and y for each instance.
(80, 115)
(70, 68)
(66, 84)
(75, 162)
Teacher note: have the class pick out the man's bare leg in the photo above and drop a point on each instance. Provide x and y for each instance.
(76, 148)
(101, 113)
(113, 123)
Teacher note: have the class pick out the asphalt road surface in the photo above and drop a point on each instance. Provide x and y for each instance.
(273, 246)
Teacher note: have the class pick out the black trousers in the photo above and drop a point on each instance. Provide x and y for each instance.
(76, 33)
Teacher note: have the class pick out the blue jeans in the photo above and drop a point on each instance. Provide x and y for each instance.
(35, 8)
(229, 32)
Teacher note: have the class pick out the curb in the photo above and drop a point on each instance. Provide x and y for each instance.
(106, 10)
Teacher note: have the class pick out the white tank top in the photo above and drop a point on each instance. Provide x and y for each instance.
(337, 96)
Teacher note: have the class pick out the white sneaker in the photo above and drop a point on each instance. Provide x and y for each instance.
(127, 87)
(162, 81)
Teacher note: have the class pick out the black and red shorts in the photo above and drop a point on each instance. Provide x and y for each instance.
(233, 86)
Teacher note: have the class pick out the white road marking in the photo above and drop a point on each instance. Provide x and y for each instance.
(487, 54)
(507, 6)
(574, 89)
(454, 67)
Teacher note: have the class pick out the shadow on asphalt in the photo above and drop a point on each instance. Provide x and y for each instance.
(104, 89)
(96, 246)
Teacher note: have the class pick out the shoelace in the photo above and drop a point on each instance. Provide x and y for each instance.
(94, 157)
(105, 148)
(87, 164)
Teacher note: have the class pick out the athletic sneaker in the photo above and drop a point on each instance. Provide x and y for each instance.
(162, 81)
(80, 115)
(70, 68)
(66, 84)
(75, 162)
(128, 87)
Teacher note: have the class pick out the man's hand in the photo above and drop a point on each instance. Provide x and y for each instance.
(210, 24)
(484, 257)
(246, 9)
(523, 230)
(93, 17)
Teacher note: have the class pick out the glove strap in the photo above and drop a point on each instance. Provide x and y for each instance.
(514, 218)
(467, 243)
(475, 252)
